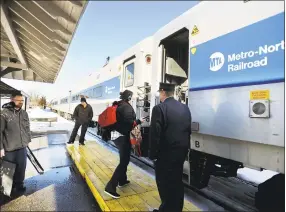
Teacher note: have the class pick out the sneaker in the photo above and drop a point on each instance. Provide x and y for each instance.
(69, 142)
(155, 210)
(123, 184)
(82, 144)
(112, 194)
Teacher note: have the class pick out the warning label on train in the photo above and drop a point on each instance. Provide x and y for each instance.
(259, 94)
(195, 31)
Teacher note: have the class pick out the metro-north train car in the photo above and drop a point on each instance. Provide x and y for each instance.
(130, 70)
(231, 74)
(227, 67)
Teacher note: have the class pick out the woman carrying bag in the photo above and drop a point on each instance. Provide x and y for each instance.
(126, 120)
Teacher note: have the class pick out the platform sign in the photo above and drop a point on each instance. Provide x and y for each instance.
(247, 56)
(260, 94)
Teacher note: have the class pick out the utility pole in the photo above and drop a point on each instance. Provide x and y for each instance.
(70, 102)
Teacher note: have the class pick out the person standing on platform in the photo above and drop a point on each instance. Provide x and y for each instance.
(170, 133)
(83, 114)
(126, 120)
(14, 138)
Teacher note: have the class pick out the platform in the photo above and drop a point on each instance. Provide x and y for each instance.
(96, 164)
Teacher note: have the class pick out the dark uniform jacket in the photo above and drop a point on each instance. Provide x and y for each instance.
(83, 115)
(15, 128)
(170, 127)
(126, 118)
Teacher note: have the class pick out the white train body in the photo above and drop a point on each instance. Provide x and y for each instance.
(128, 71)
(229, 64)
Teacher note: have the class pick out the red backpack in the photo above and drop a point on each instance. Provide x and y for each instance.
(108, 116)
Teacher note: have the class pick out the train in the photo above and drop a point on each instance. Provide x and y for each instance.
(227, 61)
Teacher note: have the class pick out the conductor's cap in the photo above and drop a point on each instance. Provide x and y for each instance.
(166, 87)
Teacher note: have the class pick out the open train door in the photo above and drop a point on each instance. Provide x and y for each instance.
(174, 51)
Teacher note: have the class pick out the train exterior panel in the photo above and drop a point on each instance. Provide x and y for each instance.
(230, 62)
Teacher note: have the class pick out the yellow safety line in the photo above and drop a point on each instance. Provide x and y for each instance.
(94, 191)
(85, 170)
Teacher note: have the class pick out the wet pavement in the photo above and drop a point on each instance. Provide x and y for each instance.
(60, 188)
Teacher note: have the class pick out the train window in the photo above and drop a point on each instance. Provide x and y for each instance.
(89, 93)
(97, 92)
(129, 75)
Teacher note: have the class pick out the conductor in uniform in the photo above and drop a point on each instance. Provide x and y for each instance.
(170, 133)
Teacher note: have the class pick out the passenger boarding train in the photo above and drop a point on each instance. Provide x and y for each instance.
(227, 60)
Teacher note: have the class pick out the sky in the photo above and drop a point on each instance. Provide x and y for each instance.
(106, 29)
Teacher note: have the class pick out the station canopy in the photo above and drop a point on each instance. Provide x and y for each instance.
(6, 91)
(35, 37)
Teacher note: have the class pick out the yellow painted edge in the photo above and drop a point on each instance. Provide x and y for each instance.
(93, 189)
(96, 195)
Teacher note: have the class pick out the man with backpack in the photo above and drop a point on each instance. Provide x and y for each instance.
(125, 121)
(83, 114)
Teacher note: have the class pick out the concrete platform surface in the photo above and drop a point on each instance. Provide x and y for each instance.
(60, 188)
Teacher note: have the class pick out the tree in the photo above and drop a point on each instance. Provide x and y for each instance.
(43, 101)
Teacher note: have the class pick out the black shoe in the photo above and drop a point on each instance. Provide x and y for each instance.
(19, 190)
(112, 193)
(81, 144)
(69, 142)
(123, 184)
(155, 210)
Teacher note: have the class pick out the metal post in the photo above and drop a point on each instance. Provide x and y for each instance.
(26, 99)
(70, 102)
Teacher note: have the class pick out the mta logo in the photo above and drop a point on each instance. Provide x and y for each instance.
(216, 61)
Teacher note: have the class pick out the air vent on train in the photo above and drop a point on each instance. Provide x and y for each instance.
(259, 109)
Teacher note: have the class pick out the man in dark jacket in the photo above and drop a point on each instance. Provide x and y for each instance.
(169, 143)
(83, 114)
(15, 137)
(126, 120)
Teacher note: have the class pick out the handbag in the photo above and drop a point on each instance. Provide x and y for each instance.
(7, 171)
(91, 124)
(135, 140)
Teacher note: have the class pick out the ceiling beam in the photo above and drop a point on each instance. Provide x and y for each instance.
(19, 11)
(7, 25)
(20, 23)
(40, 47)
(4, 39)
(9, 70)
(7, 55)
(13, 65)
(23, 74)
(76, 3)
(53, 10)
(42, 16)
(38, 75)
